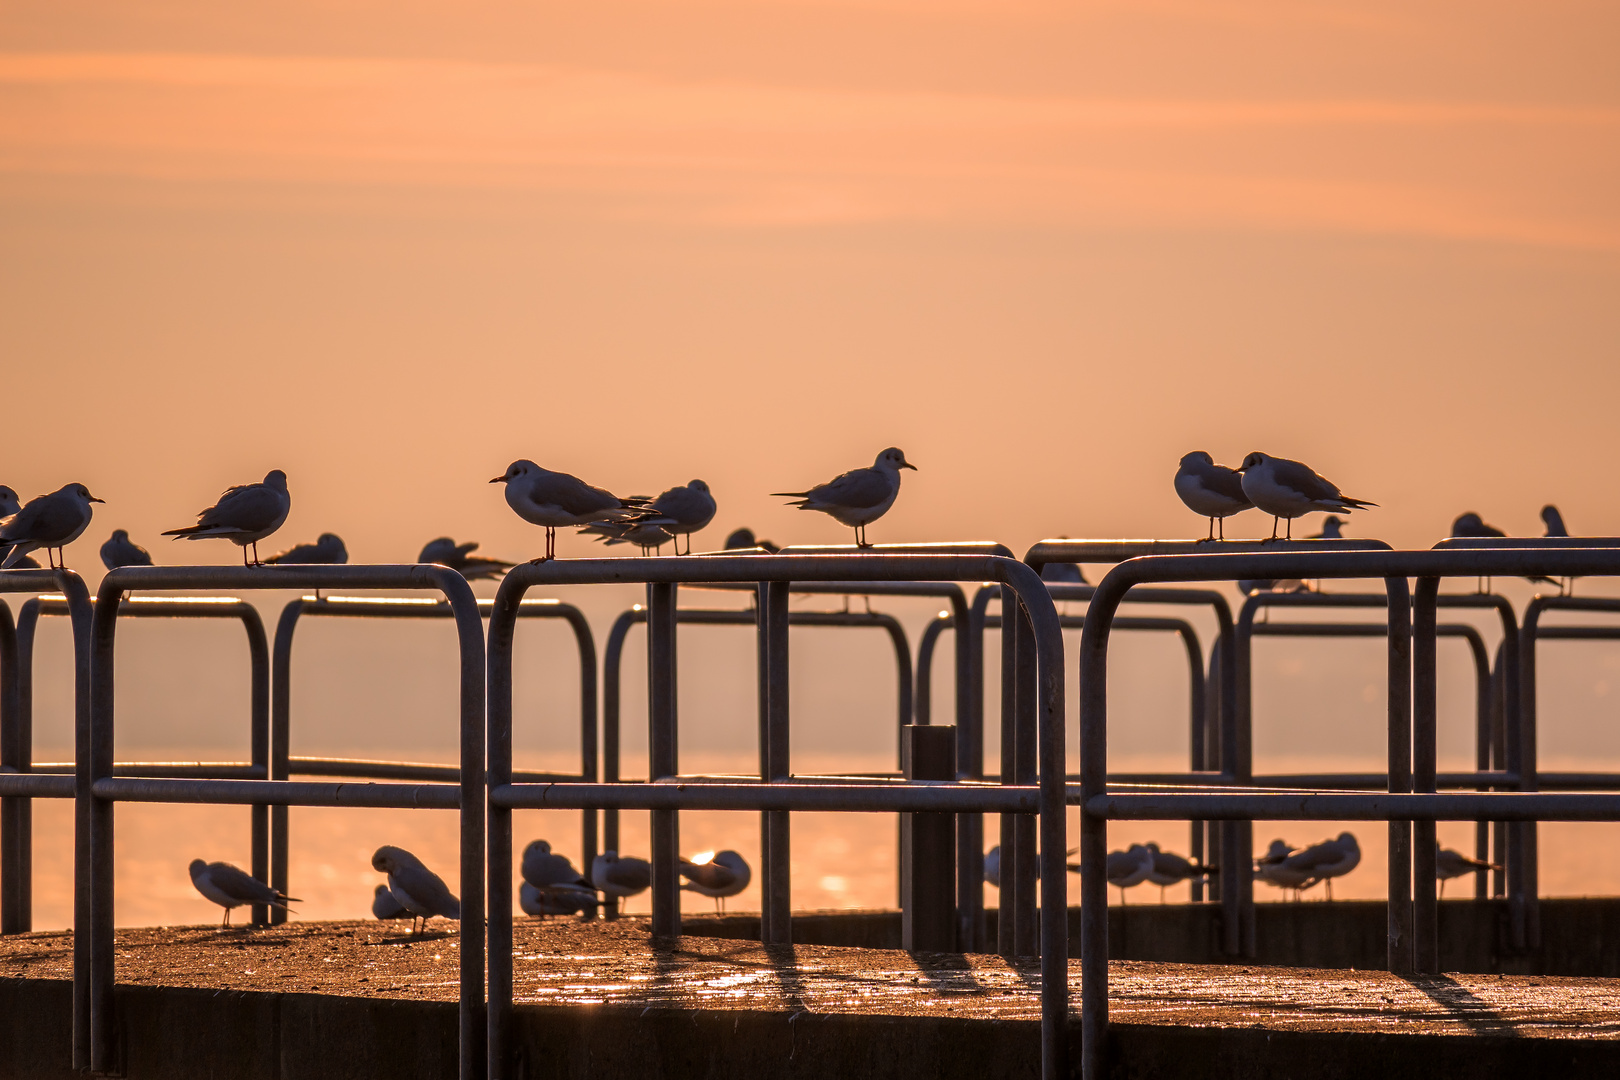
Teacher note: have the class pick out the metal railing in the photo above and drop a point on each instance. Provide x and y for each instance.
(1411, 804)
(99, 790)
(776, 793)
(283, 765)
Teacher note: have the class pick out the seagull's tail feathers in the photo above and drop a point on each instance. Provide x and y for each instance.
(14, 554)
(790, 494)
(197, 532)
(1354, 504)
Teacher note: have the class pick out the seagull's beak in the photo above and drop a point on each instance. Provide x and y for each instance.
(498, 479)
(908, 465)
(101, 501)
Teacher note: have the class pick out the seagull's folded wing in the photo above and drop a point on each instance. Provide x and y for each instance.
(856, 489)
(573, 495)
(248, 508)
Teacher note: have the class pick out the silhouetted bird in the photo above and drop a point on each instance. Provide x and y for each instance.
(230, 888)
(719, 874)
(422, 892)
(459, 557)
(1331, 527)
(1471, 526)
(1063, 573)
(1289, 489)
(856, 498)
(47, 521)
(555, 500)
(1210, 490)
(744, 538)
(244, 515)
(1450, 864)
(682, 511)
(326, 551)
(120, 550)
(1553, 520)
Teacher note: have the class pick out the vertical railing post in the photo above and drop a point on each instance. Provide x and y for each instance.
(1027, 770)
(1425, 913)
(1400, 918)
(661, 746)
(927, 910)
(776, 922)
(1007, 900)
(13, 810)
(498, 741)
(281, 743)
(93, 898)
(260, 753)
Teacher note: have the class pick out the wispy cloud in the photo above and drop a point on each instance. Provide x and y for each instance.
(745, 152)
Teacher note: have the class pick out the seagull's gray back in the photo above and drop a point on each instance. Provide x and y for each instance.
(857, 489)
(248, 508)
(571, 494)
(239, 885)
(48, 520)
(1303, 479)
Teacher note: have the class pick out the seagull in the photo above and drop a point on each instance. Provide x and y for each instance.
(1211, 490)
(9, 504)
(229, 887)
(1330, 529)
(856, 498)
(386, 907)
(682, 511)
(1171, 869)
(418, 889)
(1327, 860)
(1273, 868)
(620, 878)
(1283, 585)
(992, 866)
(718, 874)
(555, 900)
(459, 557)
(1471, 525)
(1449, 863)
(120, 550)
(328, 550)
(1287, 489)
(1063, 573)
(244, 514)
(744, 538)
(1129, 867)
(542, 869)
(556, 499)
(1550, 517)
(47, 521)
(647, 536)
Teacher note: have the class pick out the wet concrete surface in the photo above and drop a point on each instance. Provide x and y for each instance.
(570, 963)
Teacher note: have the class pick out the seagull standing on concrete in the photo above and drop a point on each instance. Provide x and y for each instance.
(620, 878)
(1450, 863)
(1210, 490)
(555, 900)
(229, 887)
(1172, 869)
(459, 557)
(543, 869)
(120, 550)
(1327, 860)
(859, 497)
(47, 521)
(326, 551)
(682, 511)
(555, 500)
(1129, 867)
(1288, 489)
(1273, 869)
(992, 866)
(244, 515)
(386, 907)
(418, 889)
(718, 874)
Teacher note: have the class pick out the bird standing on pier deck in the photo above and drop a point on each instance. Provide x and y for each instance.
(620, 878)
(386, 907)
(1172, 869)
(717, 874)
(120, 550)
(856, 498)
(1129, 867)
(47, 521)
(543, 869)
(229, 887)
(992, 866)
(1327, 860)
(418, 889)
(1273, 869)
(555, 900)
(555, 500)
(459, 557)
(244, 515)
(1289, 489)
(326, 551)
(682, 511)
(1450, 863)
(1210, 490)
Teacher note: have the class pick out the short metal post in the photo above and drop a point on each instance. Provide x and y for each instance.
(93, 755)
(1027, 770)
(1400, 919)
(661, 746)
(1425, 914)
(14, 827)
(1007, 890)
(927, 911)
(776, 915)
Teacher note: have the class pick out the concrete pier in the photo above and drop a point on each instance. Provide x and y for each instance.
(363, 1000)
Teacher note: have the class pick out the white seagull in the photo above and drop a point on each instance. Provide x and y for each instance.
(718, 874)
(649, 537)
(244, 515)
(120, 550)
(543, 869)
(386, 907)
(1288, 489)
(1129, 867)
(229, 887)
(460, 558)
(418, 889)
(328, 550)
(1172, 869)
(47, 521)
(555, 900)
(556, 500)
(1450, 863)
(682, 511)
(1273, 869)
(859, 497)
(992, 866)
(620, 878)
(1327, 860)
(1210, 490)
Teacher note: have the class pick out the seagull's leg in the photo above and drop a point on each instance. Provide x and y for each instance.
(1290, 535)
(1274, 521)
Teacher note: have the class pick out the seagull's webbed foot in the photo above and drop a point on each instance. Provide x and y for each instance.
(540, 559)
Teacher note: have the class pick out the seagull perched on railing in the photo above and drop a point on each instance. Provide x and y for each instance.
(1210, 490)
(744, 538)
(47, 521)
(555, 500)
(649, 537)
(1289, 489)
(422, 892)
(229, 887)
(718, 874)
(120, 550)
(244, 515)
(681, 511)
(856, 498)
(328, 550)
(459, 557)
(1554, 521)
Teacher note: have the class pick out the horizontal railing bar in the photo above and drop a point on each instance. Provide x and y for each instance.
(35, 785)
(404, 770)
(208, 770)
(944, 797)
(1316, 781)
(1335, 806)
(277, 793)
